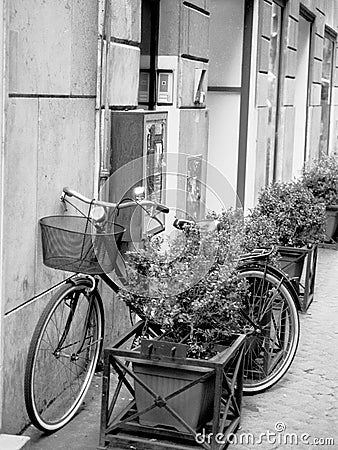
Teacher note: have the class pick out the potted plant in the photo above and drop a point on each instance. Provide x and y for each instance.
(289, 216)
(321, 177)
(296, 217)
(196, 309)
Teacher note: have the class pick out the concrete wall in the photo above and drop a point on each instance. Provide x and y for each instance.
(124, 60)
(2, 158)
(53, 108)
(49, 143)
(123, 83)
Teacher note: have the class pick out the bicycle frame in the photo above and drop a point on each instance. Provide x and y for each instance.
(92, 285)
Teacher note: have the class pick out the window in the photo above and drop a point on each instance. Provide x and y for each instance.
(326, 91)
(149, 49)
(228, 91)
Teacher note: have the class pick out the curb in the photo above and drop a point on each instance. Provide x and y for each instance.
(13, 442)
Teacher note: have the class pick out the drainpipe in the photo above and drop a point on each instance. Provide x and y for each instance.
(102, 139)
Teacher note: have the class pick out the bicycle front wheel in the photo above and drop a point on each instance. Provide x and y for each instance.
(271, 320)
(62, 356)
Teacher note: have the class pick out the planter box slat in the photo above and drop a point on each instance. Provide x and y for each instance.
(128, 441)
(124, 441)
(212, 363)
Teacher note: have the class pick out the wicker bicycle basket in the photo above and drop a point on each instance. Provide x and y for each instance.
(74, 244)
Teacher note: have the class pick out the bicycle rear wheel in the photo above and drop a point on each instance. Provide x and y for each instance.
(271, 316)
(62, 356)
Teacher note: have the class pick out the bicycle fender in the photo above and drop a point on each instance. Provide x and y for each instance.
(279, 274)
(81, 281)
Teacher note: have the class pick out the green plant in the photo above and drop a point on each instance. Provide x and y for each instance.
(231, 230)
(286, 214)
(321, 177)
(260, 231)
(197, 307)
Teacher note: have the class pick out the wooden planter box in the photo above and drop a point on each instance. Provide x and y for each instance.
(300, 266)
(173, 398)
(331, 228)
(292, 261)
(194, 405)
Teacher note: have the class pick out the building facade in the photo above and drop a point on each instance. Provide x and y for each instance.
(278, 78)
(251, 86)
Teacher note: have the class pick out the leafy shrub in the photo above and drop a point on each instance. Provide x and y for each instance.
(199, 310)
(286, 214)
(260, 231)
(321, 177)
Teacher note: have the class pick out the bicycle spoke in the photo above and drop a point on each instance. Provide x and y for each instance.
(270, 302)
(270, 316)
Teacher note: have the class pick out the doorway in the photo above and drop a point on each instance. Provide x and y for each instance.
(301, 95)
(228, 91)
(326, 90)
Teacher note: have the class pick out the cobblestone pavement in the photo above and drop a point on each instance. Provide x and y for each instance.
(305, 401)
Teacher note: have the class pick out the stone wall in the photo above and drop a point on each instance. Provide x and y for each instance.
(49, 143)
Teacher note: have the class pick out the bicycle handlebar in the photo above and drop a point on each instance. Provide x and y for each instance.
(71, 193)
(162, 208)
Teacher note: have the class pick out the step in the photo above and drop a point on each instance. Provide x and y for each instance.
(13, 442)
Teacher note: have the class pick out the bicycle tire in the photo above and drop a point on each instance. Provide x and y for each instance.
(56, 383)
(272, 345)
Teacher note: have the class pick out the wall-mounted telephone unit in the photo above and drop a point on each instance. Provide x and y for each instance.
(144, 85)
(165, 83)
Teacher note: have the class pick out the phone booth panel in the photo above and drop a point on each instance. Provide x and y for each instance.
(138, 153)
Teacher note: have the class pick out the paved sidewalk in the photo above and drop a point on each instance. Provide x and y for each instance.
(305, 402)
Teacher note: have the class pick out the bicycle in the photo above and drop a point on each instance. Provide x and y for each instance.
(67, 341)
